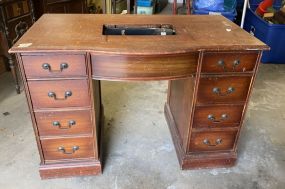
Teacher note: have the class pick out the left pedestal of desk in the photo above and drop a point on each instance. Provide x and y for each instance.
(66, 111)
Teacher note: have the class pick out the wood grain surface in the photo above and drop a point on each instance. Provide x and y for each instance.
(84, 33)
(227, 141)
(233, 116)
(39, 93)
(76, 65)
(51, 148)
(240, 84)
(81, 118)
(225, 62)
(122, 67)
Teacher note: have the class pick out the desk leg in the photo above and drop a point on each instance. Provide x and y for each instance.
(14, 73)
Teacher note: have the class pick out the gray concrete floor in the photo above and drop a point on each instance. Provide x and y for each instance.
(138, 148)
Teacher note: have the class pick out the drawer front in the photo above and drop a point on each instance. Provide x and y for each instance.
(143, 67)
(59, 94)
(217, 116)
(230, 89)
(212, 141)
(54, 66)
(68, 148)
(216, 62)
(16, 9)
(53, 123)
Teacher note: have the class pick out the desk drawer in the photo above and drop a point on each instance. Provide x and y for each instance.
(53, 123)
(143, 67)
(54, 66)
(59, 94)
(217, 116)
(68, 148)
(216, 62)
(212, 141)
(231, 89)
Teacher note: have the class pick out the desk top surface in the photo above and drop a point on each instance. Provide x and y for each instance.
(83, 32)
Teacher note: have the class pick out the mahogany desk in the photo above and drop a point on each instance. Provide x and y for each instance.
(210, 63)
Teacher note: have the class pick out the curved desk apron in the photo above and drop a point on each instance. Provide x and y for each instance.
(210, 63)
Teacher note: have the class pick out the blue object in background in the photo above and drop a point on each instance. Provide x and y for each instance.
(214, 5)
(227, 8)
(271, 34)
(144, 3)
(229, 15)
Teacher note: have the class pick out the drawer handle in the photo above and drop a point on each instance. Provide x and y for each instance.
(217, 91)
(64, 151)
(58, 124)
(208, 143)
(62, 66)
(213, 118)
(66, 95)
(221, 63)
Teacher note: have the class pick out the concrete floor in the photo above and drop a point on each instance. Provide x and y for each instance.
(138, 148)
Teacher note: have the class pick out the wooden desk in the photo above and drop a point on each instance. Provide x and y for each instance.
(210, 63)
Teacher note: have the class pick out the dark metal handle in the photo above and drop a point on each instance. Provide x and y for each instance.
(221, 63)
(58, 124)
(62, 66)
(217, 91)
(208, 143)
(64, 151)
(66, 95)
(235, 64)
(213, 118)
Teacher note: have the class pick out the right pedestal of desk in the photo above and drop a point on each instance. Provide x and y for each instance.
(205, 112)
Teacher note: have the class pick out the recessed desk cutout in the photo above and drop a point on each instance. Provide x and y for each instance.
(209, 61)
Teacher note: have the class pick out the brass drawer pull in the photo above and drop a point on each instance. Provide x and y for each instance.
(58, 124)
(212, 118)
(221, 63)
(64, 151)
(217, 91)
(66, 95)
(208, 143)
(62, 66)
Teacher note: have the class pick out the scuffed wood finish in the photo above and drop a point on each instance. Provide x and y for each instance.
(39, 92)
(239, 84)
(180, 92)
(70, 122)
(58, 170)
(222, 116)
(188, 59)
(212, 141)
(84, 33)
(75, 66)
(197, 160)
(125, 67)
(227, 62)
(51, 148)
